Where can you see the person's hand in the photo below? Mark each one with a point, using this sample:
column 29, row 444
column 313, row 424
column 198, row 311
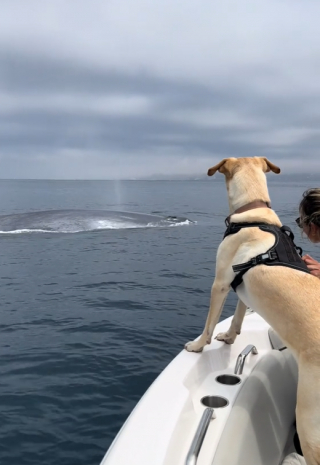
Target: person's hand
column 312, row 265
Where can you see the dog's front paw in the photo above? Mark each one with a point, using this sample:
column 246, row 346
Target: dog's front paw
column 194, row 346
column 226, row 337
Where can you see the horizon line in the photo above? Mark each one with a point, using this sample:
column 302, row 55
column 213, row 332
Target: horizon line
column 160, row 178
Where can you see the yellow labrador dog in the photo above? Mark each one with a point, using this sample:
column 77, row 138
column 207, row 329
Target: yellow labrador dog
column 288, row 299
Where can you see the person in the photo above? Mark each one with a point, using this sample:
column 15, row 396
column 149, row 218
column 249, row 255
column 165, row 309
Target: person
column 309, row 222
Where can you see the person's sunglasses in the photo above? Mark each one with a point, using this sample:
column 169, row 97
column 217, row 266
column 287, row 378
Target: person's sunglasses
column 299, row 222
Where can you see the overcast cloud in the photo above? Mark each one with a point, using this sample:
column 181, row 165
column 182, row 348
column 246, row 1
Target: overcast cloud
column 127, row 89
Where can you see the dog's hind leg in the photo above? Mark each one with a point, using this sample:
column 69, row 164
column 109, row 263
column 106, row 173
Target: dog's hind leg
column 219, row 294
column 307, row 411
column 235, row 327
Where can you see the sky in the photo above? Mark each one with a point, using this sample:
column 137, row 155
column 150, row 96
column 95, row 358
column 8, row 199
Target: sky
column 122, row 89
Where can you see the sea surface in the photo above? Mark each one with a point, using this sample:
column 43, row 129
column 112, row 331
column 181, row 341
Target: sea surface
column 102, row 283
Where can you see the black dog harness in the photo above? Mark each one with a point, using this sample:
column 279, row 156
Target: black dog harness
column 284, row 252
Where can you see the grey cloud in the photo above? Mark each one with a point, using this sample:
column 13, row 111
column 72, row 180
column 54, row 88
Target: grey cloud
column 169, row 125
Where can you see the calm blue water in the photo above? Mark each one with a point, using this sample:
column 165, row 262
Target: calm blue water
column 90, row 318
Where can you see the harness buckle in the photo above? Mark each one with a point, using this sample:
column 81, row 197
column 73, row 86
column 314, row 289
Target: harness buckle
column 262, row 258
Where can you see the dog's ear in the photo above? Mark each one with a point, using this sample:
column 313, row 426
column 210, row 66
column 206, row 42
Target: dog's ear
column 271, row 166
column 219, row 167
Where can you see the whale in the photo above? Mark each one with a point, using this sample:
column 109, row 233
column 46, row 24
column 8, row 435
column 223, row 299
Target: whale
column 71, row 221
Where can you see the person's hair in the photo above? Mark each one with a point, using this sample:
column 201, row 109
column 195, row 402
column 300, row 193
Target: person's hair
column 309, row 207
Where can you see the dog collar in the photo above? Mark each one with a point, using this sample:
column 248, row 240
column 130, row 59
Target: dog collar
column 247, row 207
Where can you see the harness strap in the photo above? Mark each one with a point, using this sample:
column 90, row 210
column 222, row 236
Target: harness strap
column 238, row 280
column 258, row 260
column 242, row 268
column 233, row 228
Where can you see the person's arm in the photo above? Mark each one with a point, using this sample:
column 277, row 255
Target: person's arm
column 312, row 264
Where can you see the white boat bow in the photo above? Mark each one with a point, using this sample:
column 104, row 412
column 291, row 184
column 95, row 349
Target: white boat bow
column 253, row 412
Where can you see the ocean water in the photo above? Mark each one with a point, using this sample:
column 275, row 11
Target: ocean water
column 102, row 283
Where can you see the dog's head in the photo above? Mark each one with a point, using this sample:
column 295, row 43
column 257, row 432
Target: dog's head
column 245, row 179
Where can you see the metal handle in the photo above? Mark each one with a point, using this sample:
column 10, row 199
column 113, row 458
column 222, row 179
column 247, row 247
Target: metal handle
column 242, row 357
column 196, row 444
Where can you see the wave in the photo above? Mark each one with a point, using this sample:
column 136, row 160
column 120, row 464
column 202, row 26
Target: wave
column 74, row 221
